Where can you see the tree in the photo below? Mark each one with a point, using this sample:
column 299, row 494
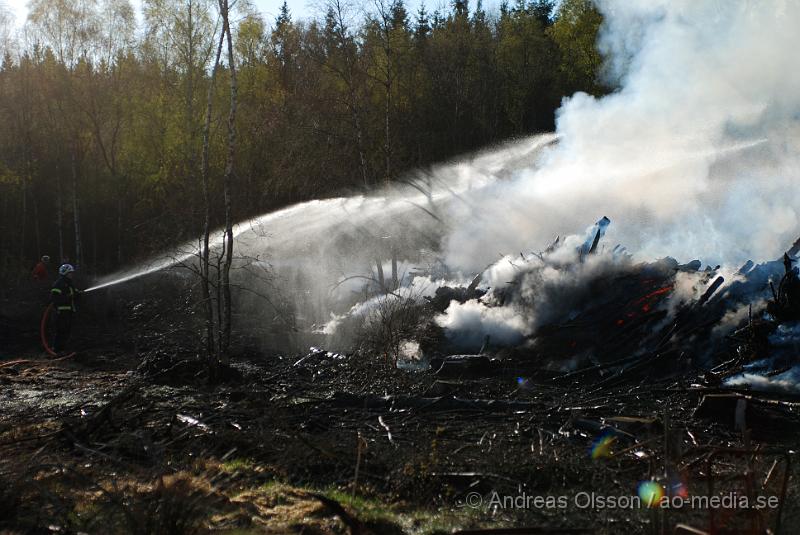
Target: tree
column 6, row 30
column 225, row 334
column 525, row 63
column 108, row 131
column 117, row 23
column 543, row 11
column 575, row 30
column 387, row 42
column 250, row 42
column 212, row 353
column 342, row 60
column 68, row 27
column 108, row 102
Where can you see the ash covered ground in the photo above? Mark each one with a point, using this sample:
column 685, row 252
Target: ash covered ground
column 554, row 403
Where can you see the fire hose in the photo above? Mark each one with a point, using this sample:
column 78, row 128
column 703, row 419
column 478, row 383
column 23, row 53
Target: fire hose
column 43, row 335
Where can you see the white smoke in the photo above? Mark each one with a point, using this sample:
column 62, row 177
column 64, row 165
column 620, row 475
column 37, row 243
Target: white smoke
column 788, row 381
column 528, row 292
column 784, row 344
column 737, row 317
column 469, row 323
column 695, row 156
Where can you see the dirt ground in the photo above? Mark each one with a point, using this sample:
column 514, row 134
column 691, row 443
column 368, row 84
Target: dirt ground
column 129, row 437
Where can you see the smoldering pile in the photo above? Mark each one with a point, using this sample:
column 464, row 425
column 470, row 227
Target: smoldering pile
column 581, row 310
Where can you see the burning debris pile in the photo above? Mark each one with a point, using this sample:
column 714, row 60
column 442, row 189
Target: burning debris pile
column 524, row 378
column 582, row 311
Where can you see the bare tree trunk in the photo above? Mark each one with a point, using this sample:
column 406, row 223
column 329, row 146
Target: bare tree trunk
column 36, row 228
column 94, row 246
column 386, row 17
column 381, row 279
column 75, row 210
column 395, row 280
column 387, row 147
column 227, row 179
column 359, row 134
column 24, row 205
column 349, row 79
column 189, row 97
column 205, row 270
column 218, row 289
column 29, row 173
column 60, row 214
column 6, row 244
column 109, row 154
column 120, row 233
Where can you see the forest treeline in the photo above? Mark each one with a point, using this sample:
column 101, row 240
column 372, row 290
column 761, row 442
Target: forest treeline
column 103, row 119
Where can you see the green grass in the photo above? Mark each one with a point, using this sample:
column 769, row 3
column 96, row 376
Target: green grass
column 372, row 510
column 238, row 464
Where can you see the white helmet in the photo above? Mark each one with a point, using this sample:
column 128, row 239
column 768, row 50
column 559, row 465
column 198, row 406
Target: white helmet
column 65, row 268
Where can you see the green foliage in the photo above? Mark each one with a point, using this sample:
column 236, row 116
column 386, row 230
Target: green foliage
column 575, row 33
column 8, row 177
column 325, row 106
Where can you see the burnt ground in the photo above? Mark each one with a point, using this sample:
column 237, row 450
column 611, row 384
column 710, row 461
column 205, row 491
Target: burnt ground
column 129, row 437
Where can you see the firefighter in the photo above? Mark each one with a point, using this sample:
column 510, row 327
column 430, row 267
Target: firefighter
column 64, row 295
column 40, row 273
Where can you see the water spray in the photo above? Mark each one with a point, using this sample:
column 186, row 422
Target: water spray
column 107, row 284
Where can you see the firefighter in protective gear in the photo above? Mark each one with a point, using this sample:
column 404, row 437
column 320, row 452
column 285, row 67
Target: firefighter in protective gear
column 63, row 296
column 39, row 273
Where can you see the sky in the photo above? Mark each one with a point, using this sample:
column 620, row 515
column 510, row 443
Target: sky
column 269, row 8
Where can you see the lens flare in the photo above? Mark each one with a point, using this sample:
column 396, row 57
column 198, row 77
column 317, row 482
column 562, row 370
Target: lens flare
column 650, row 493
column 601, row 447
column 678, row 488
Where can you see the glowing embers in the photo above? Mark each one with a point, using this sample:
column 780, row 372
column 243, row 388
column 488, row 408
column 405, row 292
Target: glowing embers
column 647, row 301
column 644, row 304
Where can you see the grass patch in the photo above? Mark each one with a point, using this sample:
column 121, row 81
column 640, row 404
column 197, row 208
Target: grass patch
column 238, row 465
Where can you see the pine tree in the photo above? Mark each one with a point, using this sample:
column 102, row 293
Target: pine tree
column 399, row 15
column 504, row 11
column 422, row 26
column 284, row 17
column 543, row 11
column 461, row 9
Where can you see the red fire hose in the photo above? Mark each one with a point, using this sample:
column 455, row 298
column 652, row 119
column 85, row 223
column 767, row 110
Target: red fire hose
column 43, row 334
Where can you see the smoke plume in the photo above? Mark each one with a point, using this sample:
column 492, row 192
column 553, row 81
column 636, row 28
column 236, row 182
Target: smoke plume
column 695, row 155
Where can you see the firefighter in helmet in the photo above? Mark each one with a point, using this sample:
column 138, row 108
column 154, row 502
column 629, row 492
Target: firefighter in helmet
column 64, row 295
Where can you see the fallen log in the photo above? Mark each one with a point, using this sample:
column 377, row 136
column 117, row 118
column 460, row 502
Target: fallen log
column 464, row 366
column 739, row 412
